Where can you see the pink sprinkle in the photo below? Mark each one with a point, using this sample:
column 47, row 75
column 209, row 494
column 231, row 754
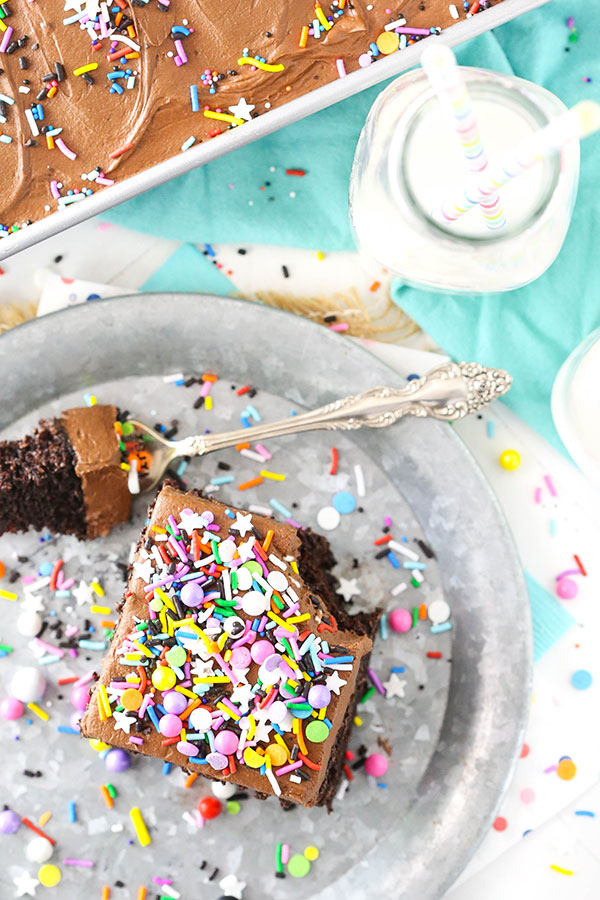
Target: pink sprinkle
column 54, row 189
column 262, row 451
column 285, row 854
column 341, row 68
column 6, row 39
column 28, row 579
column 205, row 389
column 157, row 880
column 73, row 653
column 570, row 22
column 568, row 572
column 387, row 522
column 106, row 181
column 104, row 226
column 181, row 51
column 65, row 585
column 135, row 740
column 293, row 523
column 538, row 495
column 177, row 60
column 49, row 648
column 550, row 485
column 339, row 326
column 64, row 149
column 85, row 679
column 70, row 630
column 86, row 863
column 289, row 768
column 550, row 769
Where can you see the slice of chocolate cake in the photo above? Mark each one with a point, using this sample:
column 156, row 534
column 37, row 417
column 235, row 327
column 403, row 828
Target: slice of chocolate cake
column 66, row 476
column 232, row 657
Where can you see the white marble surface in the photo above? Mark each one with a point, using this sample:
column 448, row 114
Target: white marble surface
column 563, row 721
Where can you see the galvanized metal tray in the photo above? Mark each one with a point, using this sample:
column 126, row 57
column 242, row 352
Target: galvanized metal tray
column 454, row 743
column 265, row 124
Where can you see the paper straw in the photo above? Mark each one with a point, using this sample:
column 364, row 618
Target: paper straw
column 439, row 64
column 578, row 122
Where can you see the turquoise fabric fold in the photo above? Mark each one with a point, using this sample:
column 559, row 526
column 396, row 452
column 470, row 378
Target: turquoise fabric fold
column 549, row 618
column 189, row 270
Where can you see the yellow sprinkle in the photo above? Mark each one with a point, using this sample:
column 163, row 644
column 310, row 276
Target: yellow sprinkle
column 252, row 728
column 135, row 678
column 211, row 679
column 294, row 619
column 38, row 711
column 291, row 662
column 44, row 819
column 227, row 656
column 208, row 402
column 183, row 734
column 125, row 466
column 222, row 641
column 322, row 19
column 562, row 871
column 311, row 853
column 185, row 691
column 143, row 649
column 158, row 530
column 283, row 744
column 274, row 476
column 223, row 117
column 8, row 595
column 357, row 721
column 83, row 69
column 101, row 710
column 281, row 622
column 97, row 589
column 320, row 255
column 266, row 67
column 165, row 599
column 92, row 399
column 2, row 25
column 101, row 610
column 294, row 566
column 140, row 827
column 226, row 709
column 133, row 657
column 322, row 713
column 105, row 701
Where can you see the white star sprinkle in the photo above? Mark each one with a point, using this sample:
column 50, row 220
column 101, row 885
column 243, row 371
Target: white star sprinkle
column 263, row 729
column 202, row 669
column 143, row 570
column 242, row 109
column 190, row 520
column 241, row 696
column 394, row 686
column 242, row 523
column 83, row 593
column 245, row 549
column 33, row 603
column 348, row 588
column 232, row 886
column 334, row 682
column 25, row 885
column 123, row 722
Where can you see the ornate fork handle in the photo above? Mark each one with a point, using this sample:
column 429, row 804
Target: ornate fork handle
column 449, row 392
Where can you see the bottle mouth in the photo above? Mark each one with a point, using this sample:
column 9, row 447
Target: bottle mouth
column 404, row 141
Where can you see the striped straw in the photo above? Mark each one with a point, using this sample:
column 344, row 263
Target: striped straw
column 578, row 122
column 439, row 64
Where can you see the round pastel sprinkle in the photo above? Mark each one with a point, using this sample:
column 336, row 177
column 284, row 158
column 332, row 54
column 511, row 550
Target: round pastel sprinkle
column 277, row 580
column 260, row 650
column 376, row 764
column 277, row 712
column 75, row 719
column 276, row 754
column 244, row 578
column 527, row 795
column 187, row 748
column 316, row 732
column 46, row 568
column 234, row 626
column 28, row 684
column 117, row 760
column 226, row 742
column 164, row 678
column 200, row 719
column 9, row 822
column 240, row 658
column 510, row 460
column 132, row 699
column 566, row 769
column 298, row 866
column 567, row 589
column 328, row 518
column 364, row 60
column 233, row 807
column 253, row 759
column 344, row 502
column 80, row 696
column 29, row 623
column 49, row 875
column 252, row 567
column 400, row 620
column 223, row 789
column 209, row 807
column 268, row 676
column 388, row 42
column 170, row 725
column 176, row 656
column 227, row 550
column 254, row 603
column 311, row 853
column 39, row 850
column 174, row 702
column 319, row 696
column 11, row 709
column 581, row 679
column 98, row 746
column 217, row 760
column 438, row 611
column 500, row 824
column 156, row 604
column 192, row 594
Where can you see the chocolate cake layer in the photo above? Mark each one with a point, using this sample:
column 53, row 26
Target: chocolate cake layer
column 225, row 660
column 96, row 93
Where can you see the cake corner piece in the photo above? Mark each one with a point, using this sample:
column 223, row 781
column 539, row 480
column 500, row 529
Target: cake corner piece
column 225, row 661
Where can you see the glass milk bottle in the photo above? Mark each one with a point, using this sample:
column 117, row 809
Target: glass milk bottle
column 408, row 159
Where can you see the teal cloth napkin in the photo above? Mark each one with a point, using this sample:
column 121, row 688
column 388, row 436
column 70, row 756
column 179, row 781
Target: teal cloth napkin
column 549, row 617
column 188, row 270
